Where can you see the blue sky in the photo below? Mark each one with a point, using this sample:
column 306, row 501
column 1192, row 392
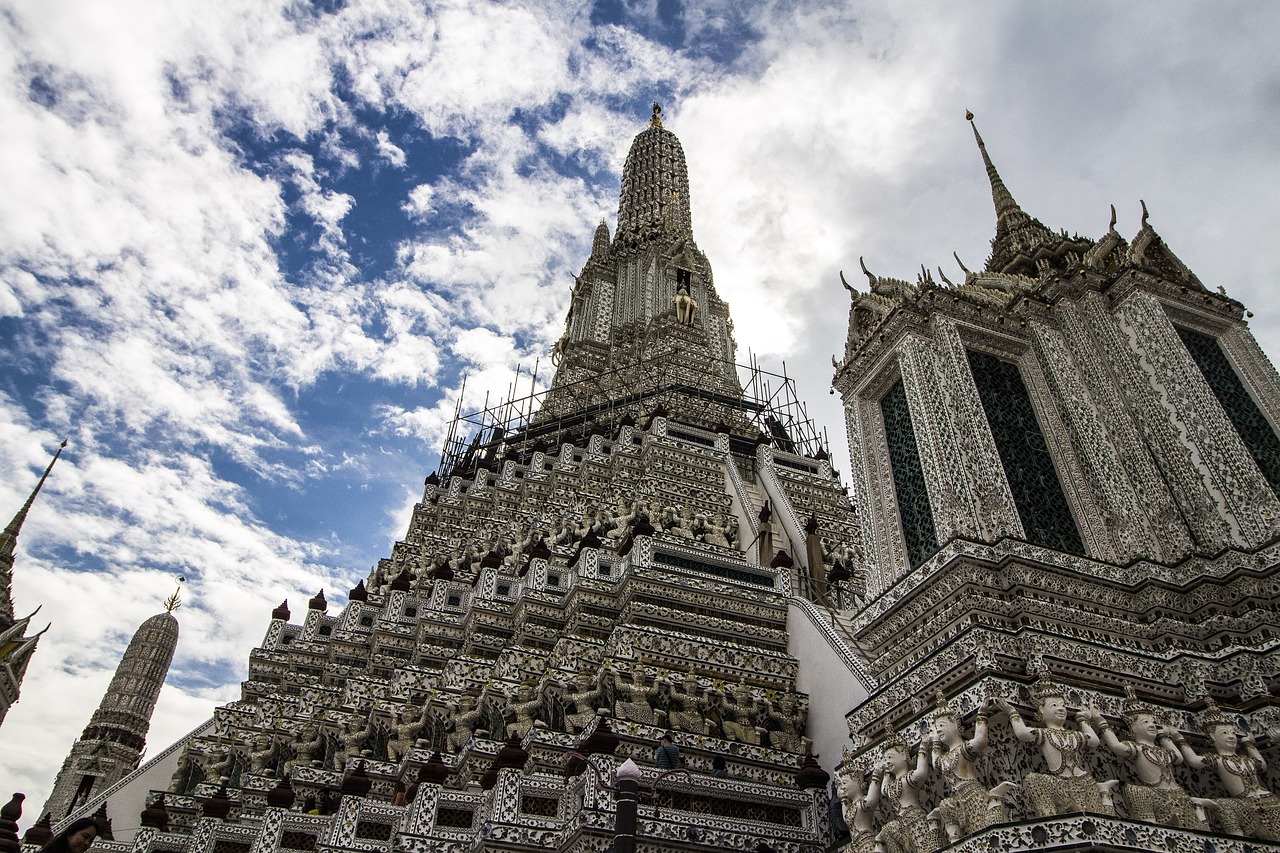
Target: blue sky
column 248, row 250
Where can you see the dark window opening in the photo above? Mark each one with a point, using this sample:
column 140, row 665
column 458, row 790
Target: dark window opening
column 914, row 510
column 1251, row 424
column 1028, row 465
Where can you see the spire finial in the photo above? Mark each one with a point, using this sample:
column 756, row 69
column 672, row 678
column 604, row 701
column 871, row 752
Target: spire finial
column 174, row 601
column 1145, row 214
column 656, row 120
column 1112, row 226
column 1005, row 205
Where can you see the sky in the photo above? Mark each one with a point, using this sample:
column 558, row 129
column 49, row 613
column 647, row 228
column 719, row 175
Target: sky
column 249, row 249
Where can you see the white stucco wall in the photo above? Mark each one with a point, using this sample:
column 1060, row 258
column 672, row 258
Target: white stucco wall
column 127, row 798
column 833, row 690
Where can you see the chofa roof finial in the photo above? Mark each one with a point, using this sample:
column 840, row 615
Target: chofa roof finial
column 870, row 277
column 1145, row 214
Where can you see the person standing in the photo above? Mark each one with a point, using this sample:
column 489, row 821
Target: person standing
column 667, row 754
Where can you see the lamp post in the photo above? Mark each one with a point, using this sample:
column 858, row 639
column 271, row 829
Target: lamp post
column 627, row 794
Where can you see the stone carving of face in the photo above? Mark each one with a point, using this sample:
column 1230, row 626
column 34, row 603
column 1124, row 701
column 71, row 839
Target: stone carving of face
column 1053, row 710
column 1144, row 726
column 895, row 760
column 1224, row 738
column 947, row 727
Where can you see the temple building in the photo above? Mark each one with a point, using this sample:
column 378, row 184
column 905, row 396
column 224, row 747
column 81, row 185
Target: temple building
column 112, row 743
column 16, row 646
column 1039, row 615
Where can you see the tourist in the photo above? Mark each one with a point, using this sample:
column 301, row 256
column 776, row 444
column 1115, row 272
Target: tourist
column 667, row 753
column 76, row 838
column 719, row 769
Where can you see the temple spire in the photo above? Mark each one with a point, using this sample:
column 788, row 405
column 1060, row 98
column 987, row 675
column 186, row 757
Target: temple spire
column 111, row 746
column 1023, row 244
column 653, row 205
column 9, row 538
column 1006, row 207
column 9, row 542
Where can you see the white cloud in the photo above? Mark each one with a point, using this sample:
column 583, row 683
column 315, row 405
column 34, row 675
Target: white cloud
column 389, row 150
column 419, row 207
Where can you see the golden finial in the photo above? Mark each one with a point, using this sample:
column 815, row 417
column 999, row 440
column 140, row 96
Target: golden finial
column 174, row 601
column 656, row 121
column 968, row 115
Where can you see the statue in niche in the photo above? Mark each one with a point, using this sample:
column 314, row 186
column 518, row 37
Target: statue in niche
column 1068, row 786
column 223, row 768
column 857, row 811
column 786, row 719
column 606, row 520
column 351, row 739
column 524, row 706
column 586, row 699
column 737, row 717
column 674, row 524
column 625, row 517
column 405, row 730
column 565, row 533
column 686, row 710
column 715, row 531
column 686, row 305
column 633, row 701
column 1152, row 754
column 190, row 771
column 1252, row 810
column 968, row 807
column 262, row 754
column 896, row 780
column 463, row 716
column 305, row 747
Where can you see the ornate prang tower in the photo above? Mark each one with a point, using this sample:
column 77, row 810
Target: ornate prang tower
column 15, row 647
column 645, row 319
column 1069, row 465
column 632, row 551
column 112, row 743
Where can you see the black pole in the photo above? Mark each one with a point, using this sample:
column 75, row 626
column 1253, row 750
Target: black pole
column 624, row 821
